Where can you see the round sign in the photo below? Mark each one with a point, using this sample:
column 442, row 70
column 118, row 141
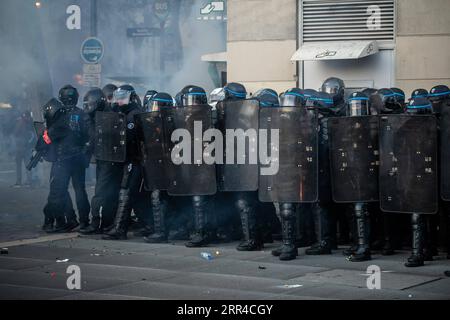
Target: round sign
column 161, row 8
column 92, row 50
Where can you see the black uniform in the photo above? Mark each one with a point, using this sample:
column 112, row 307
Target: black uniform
column 323, row 210
column 151, row 133
column 130, row 197
column 108, row 174
column 245, row 202
column 68, row 136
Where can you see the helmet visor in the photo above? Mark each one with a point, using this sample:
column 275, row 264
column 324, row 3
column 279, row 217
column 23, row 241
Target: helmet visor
column 358, row 107
column 291, row 100
column 330, row 90
column 121, row 97
column 194, row 99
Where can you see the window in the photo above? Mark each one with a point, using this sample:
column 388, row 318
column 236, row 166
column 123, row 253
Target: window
column 336, row 20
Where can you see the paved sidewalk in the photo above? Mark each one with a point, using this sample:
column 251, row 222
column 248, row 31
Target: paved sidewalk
column 136, row 270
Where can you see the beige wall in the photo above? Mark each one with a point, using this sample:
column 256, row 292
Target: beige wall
column 423, row 44
column 261, row 43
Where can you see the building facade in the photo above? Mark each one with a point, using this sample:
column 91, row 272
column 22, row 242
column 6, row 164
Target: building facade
column 374, row 43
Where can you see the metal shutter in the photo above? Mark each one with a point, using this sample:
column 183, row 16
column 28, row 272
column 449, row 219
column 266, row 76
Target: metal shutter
column 334, row 20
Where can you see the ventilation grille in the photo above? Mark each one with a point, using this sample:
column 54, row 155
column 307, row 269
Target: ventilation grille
column 328, row 20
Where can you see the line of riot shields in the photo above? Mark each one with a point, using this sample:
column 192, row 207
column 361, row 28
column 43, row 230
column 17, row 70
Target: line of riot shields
column 392, row 159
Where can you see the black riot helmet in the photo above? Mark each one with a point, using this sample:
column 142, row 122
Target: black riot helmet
column 94, row 101
column 194, row 96
column 369, row 91
column 308, row 93
column 336, row 88
column 322, row 101
column 399, row 95
column 108, row 91
column 388, row 102
column 440, row 98
column 179, row 95
column 51, row 110
column 235, row 91
column 126, row 95
column 147, row 98
column 159, row 101
column 292, row 98
column 358, row 104
column 267, row 98
column 439, row 93
column 68, row 95
column 265, row 91
column 419, row 106
column 419, row 93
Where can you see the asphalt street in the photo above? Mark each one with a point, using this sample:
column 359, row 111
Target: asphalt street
column 35, row 266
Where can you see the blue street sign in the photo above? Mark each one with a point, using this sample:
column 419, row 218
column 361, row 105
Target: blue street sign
column 92, row 50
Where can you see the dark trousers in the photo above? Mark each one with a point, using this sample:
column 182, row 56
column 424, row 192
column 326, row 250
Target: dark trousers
column 130, row 198
column 105, row 201
column 62, row 173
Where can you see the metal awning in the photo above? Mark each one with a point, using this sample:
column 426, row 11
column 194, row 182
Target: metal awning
column 215, row 57
column 335, row 50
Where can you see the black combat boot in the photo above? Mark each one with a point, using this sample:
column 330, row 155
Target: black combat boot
column 252, row 240
column 322, row 224
column 61, row 225
column 72, row 221
column 48, row 225
column 120, row 229
column 200, row 237
column 159, row 223
column 93, row 228
column 416, row 259
column 288, row 250
column 362, row 222
column 181, row 233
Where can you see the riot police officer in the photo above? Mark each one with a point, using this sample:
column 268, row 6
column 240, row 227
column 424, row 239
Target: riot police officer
column 243, row 193
column 204, row 220
column 287, row 211
column 159, row 199
column 68, row 135
column 418, row 106
column 128, row 103
column 358, row 105
column 102, row 203
column 52, row 110
column 322, row 211
column 383, row 102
